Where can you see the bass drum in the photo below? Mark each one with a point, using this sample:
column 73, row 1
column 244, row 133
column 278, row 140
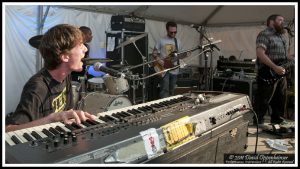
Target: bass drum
column 96, row 102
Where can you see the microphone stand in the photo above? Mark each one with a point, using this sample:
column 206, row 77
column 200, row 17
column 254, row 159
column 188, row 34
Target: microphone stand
column 207, row 81
column 136, row 77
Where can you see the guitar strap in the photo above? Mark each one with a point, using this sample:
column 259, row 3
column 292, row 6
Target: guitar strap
column 284, row 45
column 176, row 45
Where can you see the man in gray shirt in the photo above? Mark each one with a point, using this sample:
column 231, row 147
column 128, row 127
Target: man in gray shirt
column 166, row 46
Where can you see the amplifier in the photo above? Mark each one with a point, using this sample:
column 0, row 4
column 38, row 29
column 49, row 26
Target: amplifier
column 236, row 66
column 245, row 86
column 129, row 23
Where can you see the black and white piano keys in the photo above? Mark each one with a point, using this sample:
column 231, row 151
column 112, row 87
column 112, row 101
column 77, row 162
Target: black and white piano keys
column 44, row 131
column 32, row 133
column 51, row 130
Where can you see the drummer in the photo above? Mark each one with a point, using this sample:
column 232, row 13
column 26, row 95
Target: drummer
column 47, row 96
column 87, row 38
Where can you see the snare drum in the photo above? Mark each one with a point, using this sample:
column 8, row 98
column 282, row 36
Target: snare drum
column 75, row 92
column 96, row 102
column 115, row 85
column 95, row 84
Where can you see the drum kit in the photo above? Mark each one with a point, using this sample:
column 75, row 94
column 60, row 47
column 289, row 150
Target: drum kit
column 100, row 94
column 107, row 92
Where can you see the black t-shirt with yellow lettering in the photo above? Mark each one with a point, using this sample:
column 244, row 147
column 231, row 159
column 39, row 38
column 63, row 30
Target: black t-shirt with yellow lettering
column 41, row 96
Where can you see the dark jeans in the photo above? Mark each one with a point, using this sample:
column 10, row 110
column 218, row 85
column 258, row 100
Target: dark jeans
column 167, row 85
column 274, row 96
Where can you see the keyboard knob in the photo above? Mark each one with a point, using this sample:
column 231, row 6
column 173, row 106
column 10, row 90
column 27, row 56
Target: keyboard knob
column 66, row 140
column 74, row 138
column 56, row 143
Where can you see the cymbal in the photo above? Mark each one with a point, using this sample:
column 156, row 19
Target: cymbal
column 91, row 61
column 35, row 41
column 131, row 40
column 118, row 66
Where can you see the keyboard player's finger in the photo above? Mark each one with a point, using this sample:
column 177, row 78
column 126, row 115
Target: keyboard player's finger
column 81, row 115
column 90, row 116
column 68, row 115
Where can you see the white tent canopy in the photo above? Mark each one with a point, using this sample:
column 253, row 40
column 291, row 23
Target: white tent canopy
column 206, row 15
column 235, row 25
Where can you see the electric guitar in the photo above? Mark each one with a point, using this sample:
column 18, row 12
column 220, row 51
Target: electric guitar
column 173, row 57
column 269, row 77
column 169, row 62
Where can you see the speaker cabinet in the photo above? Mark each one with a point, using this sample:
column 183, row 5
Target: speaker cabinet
column 130, row 56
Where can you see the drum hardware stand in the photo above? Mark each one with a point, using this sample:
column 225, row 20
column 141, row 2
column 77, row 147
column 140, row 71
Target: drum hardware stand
column 134, row 87
column 82, row 88
column 136, row 77
column 122, row 49
column 124, row 43
column 143, row 75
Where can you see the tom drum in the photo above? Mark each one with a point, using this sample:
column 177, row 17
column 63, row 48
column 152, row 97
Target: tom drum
column 115, row 85
column 95, row 84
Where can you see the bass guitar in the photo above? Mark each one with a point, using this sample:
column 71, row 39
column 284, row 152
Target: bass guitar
column 269, row 77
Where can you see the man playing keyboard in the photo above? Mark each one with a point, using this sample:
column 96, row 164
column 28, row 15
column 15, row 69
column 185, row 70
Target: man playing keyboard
column 47, row 96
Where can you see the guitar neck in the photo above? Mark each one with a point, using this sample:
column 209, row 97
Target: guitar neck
column 175, row 58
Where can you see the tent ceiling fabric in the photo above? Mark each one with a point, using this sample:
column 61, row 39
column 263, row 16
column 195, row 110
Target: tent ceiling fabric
column 227, row 15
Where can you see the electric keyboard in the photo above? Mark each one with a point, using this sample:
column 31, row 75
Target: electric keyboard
column 114, row 137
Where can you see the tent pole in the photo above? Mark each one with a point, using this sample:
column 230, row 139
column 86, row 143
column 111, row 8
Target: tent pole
column 41, row 21
column 39, row 60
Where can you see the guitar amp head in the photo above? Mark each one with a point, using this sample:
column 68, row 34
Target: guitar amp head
column 129, row 23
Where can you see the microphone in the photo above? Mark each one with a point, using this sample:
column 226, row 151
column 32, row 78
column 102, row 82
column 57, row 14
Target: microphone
column 289, row 31
column 213, row 44
column 100, row 67
column 195, row 26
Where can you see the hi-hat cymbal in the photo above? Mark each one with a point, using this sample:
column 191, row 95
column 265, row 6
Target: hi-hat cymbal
column 131, row 40
column 35, row 41
column 91, row 61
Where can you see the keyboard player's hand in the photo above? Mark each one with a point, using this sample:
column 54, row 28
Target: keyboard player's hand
column 71, row 116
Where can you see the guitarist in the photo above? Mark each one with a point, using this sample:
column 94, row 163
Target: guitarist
column 165, row 46
column 271, row 50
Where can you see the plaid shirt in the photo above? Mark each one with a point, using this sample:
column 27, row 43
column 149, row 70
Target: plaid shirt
column 274, row 44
